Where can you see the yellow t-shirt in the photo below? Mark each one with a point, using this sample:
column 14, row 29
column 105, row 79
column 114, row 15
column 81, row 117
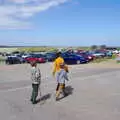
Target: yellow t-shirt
column 57, row 64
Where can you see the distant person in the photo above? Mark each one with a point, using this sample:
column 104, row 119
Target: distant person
column 36, row 80
column 58, row 61
column 61, row 78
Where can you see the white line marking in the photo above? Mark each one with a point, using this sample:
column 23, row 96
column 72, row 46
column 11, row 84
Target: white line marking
column 22, row 88
column 15, row 89
column 53, row 82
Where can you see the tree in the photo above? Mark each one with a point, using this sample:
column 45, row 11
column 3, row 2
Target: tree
column 93, row 47
column 103, row 47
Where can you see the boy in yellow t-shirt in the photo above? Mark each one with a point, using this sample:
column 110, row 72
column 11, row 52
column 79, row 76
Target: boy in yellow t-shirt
column 61, row 78
column 58, row 61
column 57, row 67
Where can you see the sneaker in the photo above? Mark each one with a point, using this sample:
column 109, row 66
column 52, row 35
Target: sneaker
column 57, row 99
column 35, row 102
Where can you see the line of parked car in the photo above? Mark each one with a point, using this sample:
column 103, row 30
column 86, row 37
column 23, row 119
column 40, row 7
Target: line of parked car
column 69, row 57
column 29, row 57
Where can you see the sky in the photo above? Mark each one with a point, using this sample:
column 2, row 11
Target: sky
column 60, row 22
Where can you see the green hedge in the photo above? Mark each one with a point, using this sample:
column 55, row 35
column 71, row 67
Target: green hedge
column 2, row 60
column 114, row 56
column 37, row 49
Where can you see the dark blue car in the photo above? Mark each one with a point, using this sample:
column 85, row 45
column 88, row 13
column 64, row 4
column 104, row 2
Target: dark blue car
column 14, row 60
column 73, row 58
column 50, row 56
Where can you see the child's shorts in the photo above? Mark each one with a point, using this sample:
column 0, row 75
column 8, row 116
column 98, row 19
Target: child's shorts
column 60, row 85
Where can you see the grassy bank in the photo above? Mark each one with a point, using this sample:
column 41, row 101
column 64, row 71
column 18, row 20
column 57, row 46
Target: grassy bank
column 2, row 60
column 8, row 50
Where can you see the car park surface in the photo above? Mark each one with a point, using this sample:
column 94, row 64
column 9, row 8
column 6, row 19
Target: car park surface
column 94, row 93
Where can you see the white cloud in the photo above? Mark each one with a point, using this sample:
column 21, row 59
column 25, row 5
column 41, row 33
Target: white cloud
column 7, row 20
column 9, row 23
column 16, row 13
column 19, row 1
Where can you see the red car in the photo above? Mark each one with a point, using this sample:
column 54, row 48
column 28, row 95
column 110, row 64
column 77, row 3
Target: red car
column 37, row 57
column 86, row 55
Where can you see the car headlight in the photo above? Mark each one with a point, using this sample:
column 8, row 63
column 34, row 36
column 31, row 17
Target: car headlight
column 89, row 57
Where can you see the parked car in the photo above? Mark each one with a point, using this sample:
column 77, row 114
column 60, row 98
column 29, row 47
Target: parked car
column 14, row 60
column 115, row 51
column 50, row 56
column 73, row 58
column 39, row 58
column 97, row 54
column 109, row 53
column 26, row 55
column 86, row 55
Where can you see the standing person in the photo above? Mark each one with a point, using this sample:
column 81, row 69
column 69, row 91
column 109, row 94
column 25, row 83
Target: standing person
column 61, row 78
column 36, row 80
column 58, row 61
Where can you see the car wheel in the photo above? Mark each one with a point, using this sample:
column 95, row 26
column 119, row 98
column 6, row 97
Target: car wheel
column 38, row 62
column 47, row 60
column 78, row 62
column 7, row 63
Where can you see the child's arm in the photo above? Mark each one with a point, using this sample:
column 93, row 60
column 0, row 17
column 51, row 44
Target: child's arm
column 66, row 76
column 38, row 75
column 54, row 68
column 66, row 68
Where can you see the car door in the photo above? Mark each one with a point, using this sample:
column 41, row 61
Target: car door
column 66, row 58
column 71, row 59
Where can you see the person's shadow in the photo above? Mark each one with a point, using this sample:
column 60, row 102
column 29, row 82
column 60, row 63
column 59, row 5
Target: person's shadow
column 68, row 91
column 44, row 98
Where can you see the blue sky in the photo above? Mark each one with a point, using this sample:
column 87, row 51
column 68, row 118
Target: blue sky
column 60, row 22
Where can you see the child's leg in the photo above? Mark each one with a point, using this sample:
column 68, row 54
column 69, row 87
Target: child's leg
column 60, row 89
column 64, row 92
column 34, row 92
column 57, row 88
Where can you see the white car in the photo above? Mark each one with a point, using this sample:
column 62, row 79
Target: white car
column 116, row 51
column 25, row 55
